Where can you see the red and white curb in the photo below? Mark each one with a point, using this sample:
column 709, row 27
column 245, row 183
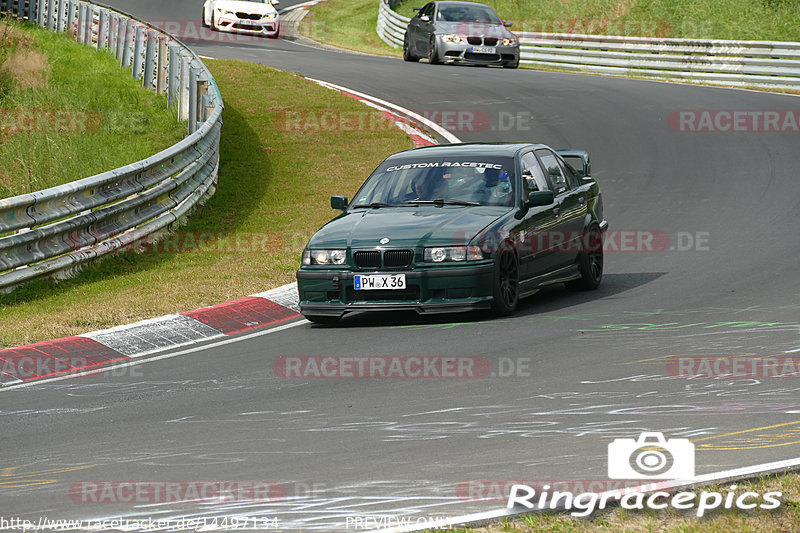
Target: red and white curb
column 414, row 124
column 104, row 348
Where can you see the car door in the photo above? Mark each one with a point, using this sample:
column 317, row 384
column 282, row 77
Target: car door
column 570, row 208
column 538, row 223
column 424, row 29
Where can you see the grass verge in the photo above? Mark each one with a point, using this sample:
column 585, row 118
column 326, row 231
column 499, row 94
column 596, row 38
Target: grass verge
column 347, row 24
column 277, row 172
column 67, row 111
column 670, row 520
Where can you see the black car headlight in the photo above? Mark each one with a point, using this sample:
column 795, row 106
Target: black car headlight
column 441, row 254
column 324, row 257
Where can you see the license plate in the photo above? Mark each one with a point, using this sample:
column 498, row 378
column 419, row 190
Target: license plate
column 380, row 281
column 484, row 50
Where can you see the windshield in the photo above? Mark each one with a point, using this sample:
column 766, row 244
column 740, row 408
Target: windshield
column 452, row 180
column 478, row 14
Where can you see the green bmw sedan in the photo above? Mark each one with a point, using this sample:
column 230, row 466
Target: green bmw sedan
column 457, row 227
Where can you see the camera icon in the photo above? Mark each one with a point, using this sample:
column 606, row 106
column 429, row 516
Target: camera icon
column 651, row 457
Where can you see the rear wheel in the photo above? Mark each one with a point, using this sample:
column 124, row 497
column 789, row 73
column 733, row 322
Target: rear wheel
column 433, row 52
column 323, row 319
column 506, row 282
column 407, row 55
column 590, row 262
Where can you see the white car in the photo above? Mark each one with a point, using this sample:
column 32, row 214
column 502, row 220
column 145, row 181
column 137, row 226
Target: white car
column 257, row 17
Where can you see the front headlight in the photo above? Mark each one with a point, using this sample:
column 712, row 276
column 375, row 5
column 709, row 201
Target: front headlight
column 509, row 42
column 452, row 38
column 324, row 257
column 441, row 254
column 268, row 16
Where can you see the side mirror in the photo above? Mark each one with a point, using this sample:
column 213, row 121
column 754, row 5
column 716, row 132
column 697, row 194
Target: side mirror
column 425, row 18
column 275, row 2
column 339, row 202
column 507, row 23
column 416, row 8
column 537, row 198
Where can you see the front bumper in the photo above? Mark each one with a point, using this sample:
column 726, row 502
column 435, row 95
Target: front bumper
column 431, row 290
column 463, row 53
column 266, row 27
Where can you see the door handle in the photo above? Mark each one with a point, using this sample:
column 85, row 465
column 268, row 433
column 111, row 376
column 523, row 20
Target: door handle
column 556, row 211
column 581, row 200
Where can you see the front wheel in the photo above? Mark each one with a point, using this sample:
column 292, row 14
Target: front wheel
column 433, row 52
column 590, row 262
column 506, row 282
column 407, row 55
column 214, row 22
column 203, row 20
column 514, row 64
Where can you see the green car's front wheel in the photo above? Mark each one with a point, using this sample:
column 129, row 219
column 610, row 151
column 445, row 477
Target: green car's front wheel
column 506, row 282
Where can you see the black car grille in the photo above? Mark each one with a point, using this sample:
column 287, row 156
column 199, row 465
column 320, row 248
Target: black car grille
column 248, row 16
column 397, row 258
column 371, row 259
column 367, row 259
column 411, row 292
column 487, row 41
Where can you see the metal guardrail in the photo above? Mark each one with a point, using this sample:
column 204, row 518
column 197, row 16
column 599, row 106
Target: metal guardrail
column 56, row 231
column 774, row 64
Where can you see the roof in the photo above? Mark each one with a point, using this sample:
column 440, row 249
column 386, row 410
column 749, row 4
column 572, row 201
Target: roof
column 465, row 149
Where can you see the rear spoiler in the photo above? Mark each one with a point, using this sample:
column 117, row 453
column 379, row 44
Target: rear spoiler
column 584, row 167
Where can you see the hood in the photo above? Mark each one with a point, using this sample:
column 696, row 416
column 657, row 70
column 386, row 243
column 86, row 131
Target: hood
column 406, row 227
column 474, row 29
column 246, row 7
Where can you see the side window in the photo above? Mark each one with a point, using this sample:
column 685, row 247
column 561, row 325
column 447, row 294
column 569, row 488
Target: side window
column 428, row 10
column 532, row 174
column 553, row 169
column 573, row 180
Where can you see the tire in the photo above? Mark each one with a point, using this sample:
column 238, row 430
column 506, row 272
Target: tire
column 407, row 55
column 512, row 65
column 590, row 262
column 203, row 20
column 505, row 290
column 433, row 52
column 323, row 319
column 214, row 22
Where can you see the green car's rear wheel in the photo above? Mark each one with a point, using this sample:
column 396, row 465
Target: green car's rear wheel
column 590, row 262
column 506, row 282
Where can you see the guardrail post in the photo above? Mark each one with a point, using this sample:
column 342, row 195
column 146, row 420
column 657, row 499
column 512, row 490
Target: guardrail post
column 122, row 42
column 161, row 69
column 193, row 99
column 183, row 92
column 51, row 14
column 102, row 32
column 30, row 11
column 149, row 59
column 41, row 12
column 173, row 71
column 138, row 51
column 79, row 33
column 60, row 15
column 89, row 40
